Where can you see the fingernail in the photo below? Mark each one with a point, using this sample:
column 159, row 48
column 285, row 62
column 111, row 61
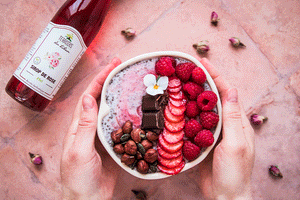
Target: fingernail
column 87, row 102
column 232, row 95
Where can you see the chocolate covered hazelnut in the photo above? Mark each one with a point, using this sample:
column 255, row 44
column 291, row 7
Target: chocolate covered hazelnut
column 119, row 148
column 142, row 167
column 151, row 136
column 147, row 144
column 127, row 159
column 130, row 147
column 116, row 135
column 127, row 127
column 136, row 134
column 151, row 156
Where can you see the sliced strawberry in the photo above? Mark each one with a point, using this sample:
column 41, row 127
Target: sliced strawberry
column 174, row 90
column 174, row 82
column 177, row 95
column 170, row 148
column 172, row 137
column 172, row 171
column 176, row 110
column 167, row 155
column 170, row 163
column 170, row 117
column 174, row 126
column 178, row 103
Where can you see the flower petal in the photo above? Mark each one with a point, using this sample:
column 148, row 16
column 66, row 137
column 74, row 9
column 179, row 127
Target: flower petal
column 150, row 90
column 163, row 82
column 159, row 91
column 149, row 80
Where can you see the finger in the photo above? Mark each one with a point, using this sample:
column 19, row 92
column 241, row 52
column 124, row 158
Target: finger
column 232, row 128
column 221, row 84
column 87, row 125
column 248, row 130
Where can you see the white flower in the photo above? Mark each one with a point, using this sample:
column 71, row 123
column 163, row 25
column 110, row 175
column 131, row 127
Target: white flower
column 155, row 86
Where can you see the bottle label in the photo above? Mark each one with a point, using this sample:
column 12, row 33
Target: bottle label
column 51, row 59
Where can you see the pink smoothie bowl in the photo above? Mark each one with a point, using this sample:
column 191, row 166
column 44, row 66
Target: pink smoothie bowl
column 105, row 109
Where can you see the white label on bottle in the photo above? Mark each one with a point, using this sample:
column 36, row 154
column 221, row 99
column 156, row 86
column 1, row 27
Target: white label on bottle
column 51, row 59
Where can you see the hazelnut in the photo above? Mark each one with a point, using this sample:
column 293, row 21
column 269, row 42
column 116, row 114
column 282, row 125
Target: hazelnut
column 139, row 156
column 127, row 127
column 127, row 159
column 147, row 144
column 119, row 148
column 151, row 156
column 151, row 136
column 136, row 134
column 130, row 147
column 116, row 135
column 142, row 167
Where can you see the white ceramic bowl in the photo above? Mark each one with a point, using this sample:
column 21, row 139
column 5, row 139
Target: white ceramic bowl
column 104, row 110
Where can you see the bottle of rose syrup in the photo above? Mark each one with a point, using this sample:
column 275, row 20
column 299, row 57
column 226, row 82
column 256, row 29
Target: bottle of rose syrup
column 56, row 52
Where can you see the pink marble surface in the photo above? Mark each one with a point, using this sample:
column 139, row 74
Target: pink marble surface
column 266, row 73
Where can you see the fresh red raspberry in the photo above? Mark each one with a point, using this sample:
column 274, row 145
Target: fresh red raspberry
column 192, row 127
column 209, row 119
column 184, row 71
column 198, row 76
column 192, row 90
column 192, row 109
column 204, row 138
column 165, row 66
column 190, row 151
column 207, row 100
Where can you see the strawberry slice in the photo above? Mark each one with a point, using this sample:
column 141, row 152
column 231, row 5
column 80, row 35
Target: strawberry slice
column 167, row 155
column 176, row 110
column 168, row 147
column 172, row 137
column 174, row 126
column 174, row 90
column 170, row 117
column 170, row 163
column 177, row 103
column 172, row 171
column 174, row 82
column 177, row 95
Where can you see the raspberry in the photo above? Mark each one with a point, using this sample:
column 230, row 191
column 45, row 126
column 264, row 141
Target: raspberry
column 192, row 109
column 192, row 90
column 207, row 100
column 204, row 138
column 190, row 151
column 192, row 127
column 198, row 76
column 184, row 71
column 165, row 66
column 209, row 119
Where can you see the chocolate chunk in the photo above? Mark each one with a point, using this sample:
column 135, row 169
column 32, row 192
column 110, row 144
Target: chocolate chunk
column 153, row 120
column 150, row 103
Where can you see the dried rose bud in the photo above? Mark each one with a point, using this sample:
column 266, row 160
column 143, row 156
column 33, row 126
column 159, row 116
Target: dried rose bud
column 130, row 147
column 116, row 136
column 140, row 195
column 151, row 156
column 151, row 136
column 128, row 32
column 119, row 148
column 236, row 42
column 127, row 159
column 136, row 134
column 257, row 119
column 127, row 127
column 36, row 159
column 202, row 46
column 214, row 18
column 274, row 170
column 146, row 144
column 142, row 167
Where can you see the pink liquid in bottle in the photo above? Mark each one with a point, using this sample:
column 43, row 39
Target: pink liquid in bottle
column 86, row 16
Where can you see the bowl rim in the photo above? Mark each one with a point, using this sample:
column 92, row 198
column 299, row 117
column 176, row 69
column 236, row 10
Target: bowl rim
column 104, row 110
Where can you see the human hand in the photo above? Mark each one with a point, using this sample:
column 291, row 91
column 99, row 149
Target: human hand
column 84, row 174
column 226, row 172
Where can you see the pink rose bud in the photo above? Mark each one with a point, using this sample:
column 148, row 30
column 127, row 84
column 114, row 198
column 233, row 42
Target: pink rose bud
column 202, row 46
column 274, row 170
column 214, row 18
column 129, row 32
column 36, row 159
column 236, row 42
column 257, row 119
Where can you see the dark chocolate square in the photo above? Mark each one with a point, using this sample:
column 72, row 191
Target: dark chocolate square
column 153, row 120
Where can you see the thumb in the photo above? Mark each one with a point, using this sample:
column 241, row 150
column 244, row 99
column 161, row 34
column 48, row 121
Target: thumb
column 232, row 127
column 87, row 125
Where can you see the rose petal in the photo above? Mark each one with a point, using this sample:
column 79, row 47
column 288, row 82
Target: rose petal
column 149, row 80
